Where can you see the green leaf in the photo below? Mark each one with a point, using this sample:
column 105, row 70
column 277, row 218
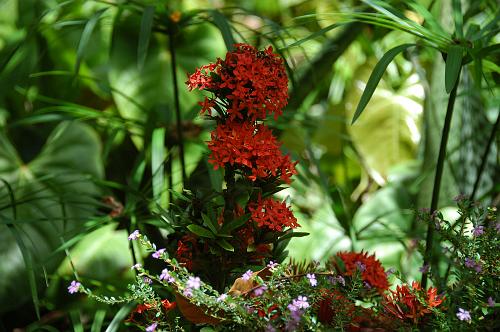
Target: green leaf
column 234, row 224
column 160, row 189
column 209, row 223
column 458, row 18
column 61, row 173
column 144, row 35
column 453, row 66
column 314, row 35
column 225, row 245
column 119, row 317
column 291, row 235
column 200, row 231
column 98, row 320
column 223, row 25
column 375, row 77
column 85, row 38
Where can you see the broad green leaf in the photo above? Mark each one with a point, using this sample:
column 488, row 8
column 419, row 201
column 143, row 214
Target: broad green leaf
column 458, row 18
column 453, row 66
column 200, row 231
column 375, row 77
column 85, row 38
column 145, row 35
column 234, row 224
column 223, row 25
column 61, row 174
column 225, row 245
column 290, row 235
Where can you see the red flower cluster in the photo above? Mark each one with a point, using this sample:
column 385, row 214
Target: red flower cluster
column 253, row 82
column 272, row 214
column 411, row 303
column 252, row 148
column 371, row 269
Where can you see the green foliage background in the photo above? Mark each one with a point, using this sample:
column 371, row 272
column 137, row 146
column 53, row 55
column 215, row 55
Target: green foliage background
column 88, row 110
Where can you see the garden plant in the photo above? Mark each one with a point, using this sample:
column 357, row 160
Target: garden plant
column 249, row 166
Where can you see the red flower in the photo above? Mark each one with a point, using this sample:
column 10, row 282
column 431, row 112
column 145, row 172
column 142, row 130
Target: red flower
column 250, row 147
column 371, row 269
column 167, row 305
column 184, row 251
column 253, row 82
column 272, row 214
column 411, row 303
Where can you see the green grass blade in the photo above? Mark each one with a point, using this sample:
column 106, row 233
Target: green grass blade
column 119, row 317
column 145, row 35
column 429, row 19
column 28, row 261
column 458, row 18
column 375, row 77
column 98, row 320
column 76, row 321
column 85, row 38
column 223, row 25
column 453, row 65
column 157, row 167
column 314, row 35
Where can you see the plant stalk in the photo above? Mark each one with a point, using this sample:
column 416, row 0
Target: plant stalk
column 180, row 140
column 429, row 241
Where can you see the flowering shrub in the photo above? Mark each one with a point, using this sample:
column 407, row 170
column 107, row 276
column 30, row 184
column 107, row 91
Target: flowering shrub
column 223, row 264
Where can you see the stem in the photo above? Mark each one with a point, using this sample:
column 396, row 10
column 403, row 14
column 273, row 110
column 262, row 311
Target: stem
column 180, row 141
column 485, row 156
column 229, row 203
column 429, row 241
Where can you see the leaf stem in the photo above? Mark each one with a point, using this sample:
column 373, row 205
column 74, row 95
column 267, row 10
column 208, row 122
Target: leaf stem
column 429, row 241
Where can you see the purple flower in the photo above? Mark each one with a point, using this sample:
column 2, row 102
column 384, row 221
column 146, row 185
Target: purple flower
column 497, row 227
column 147, row 280
column 152, row 327
column 390, row 271
column 136, row 266
column 193, row 282
column 300, row 303
column 272, row 265
column 459, row 198
column 165, row 275
column 478, row 267
column 260, row 290
column 312, row 279
column 367, row 285
column 188, row 292
column 74, row 287
column 463, row 315
column 491, row 302
column 222, row 297
column 361, row 267
column 134, row 235
column 247, row 275
column 425, row 268
column 477, row 231
column 270, row 328
column 340, row 280
column 158, row 253
column 470, row 263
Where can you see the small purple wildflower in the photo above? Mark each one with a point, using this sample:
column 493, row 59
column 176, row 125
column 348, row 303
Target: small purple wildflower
column 157, row 254
column 260, row 290
column 459, row 198
column 300, row 302
column 470, row 263
column 193, row 282
column 222, row 297
column 74, row 287
column 491, row 302
column 478, row 231
column 165, row 275
column 188, row 292
column 497, row 227
column 152, row 327
column 272, row 265
column 463, row 315
column 341, row 280
column 136, row 266
column 247, row 275
column 425, row 268
column 147, row 280
column 134, row 235
column 367, row 285
column 270, row 328
column 312, row 279
column 361, row 267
